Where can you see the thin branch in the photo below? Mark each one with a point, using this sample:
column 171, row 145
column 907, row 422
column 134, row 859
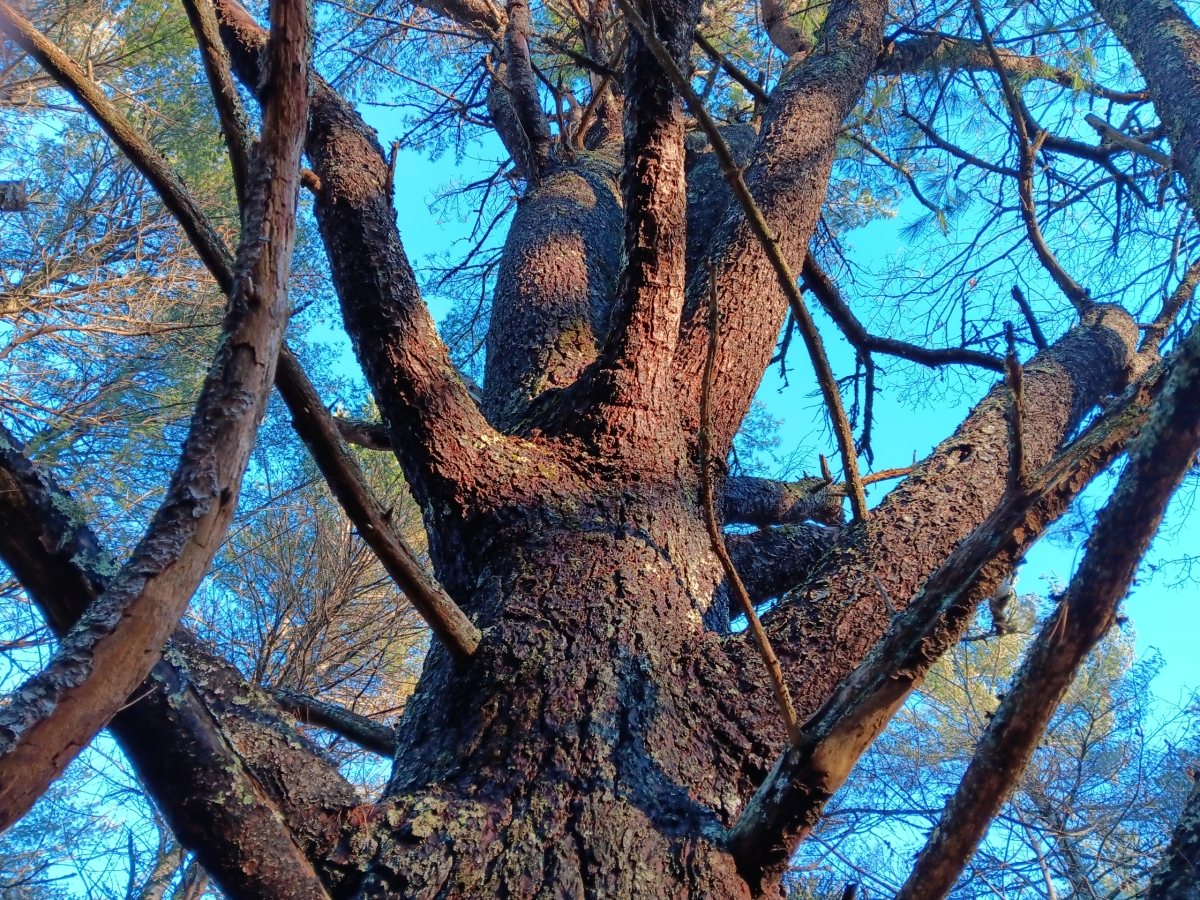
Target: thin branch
column 752, row 87
column 782, row 696
column 354, row 727
column 830, row 298
column 1035, row 330
column 1131, row 144
column 1028, row 149
column 120, row 638
column 230, row 113
column 770, row 245
column 1158, row 460
column 1171, row 307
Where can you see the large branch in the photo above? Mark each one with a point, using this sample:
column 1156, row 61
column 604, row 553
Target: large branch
column 554, row 289
column 438, row 434
column 189, row 761
column 787, row 178
column 791, row 799
column 826, row 628
column 118, row 641
column 775, row 560
column 1157, row 461
column 356, row 728
column 1165, row 46
column 932, row 52
column 633, row 384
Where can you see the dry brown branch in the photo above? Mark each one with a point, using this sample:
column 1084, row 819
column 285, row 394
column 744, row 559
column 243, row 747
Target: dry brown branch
column 770, row 245
column 120, row 638
column 752, row 87
column 782, row 696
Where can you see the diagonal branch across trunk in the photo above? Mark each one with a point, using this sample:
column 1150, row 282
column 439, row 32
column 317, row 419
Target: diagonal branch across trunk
column 116, row 644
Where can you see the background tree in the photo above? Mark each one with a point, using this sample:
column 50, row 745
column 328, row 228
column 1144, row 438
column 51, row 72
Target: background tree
column 586, row 721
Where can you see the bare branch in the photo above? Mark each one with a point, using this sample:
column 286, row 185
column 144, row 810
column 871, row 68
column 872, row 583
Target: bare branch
column 1121, row 139
column 120, row 638
column 830, row 298
column 764, row 502
column 1028, row 150
column 789, row 802
column 752, row 87
column 770, row 246
column 1035, row 330
column 1015, row 414
column 358, row 729
column 1180, row 297
column 782, row 696
column 1158, row 459
column 929, row 52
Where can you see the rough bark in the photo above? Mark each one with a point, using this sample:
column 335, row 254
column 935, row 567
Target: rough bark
column 763, row 502
column 554, row 291
column 1177, row 876
column 358, row 729
column 787, row 177
column 775, row 560
column 1165, row 46
column 168, row 729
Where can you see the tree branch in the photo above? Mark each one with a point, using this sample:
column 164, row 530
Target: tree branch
column 186, row 758
column 1028, row 150
column 830, row 298
column 1158, row 459
column 1180, row 297
column 119, row 639
column 522, row 87
column 356, row 728
column 774, row 560
column 946, row 51
column 789, row 802
column 763, row 502
column 752, row 88
column 783, row 272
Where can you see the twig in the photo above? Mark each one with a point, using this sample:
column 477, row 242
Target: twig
column 770, row 245
column 1035, row 330
column 887, row 600
column 1015, row 414
column 782, row 695
column 755, row 90
column 1028, row 150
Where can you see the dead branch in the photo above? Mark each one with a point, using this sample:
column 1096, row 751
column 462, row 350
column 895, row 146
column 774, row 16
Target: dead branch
column 356, row 728
column 1158, row 459
column 120, row 637
column 1186, row 290
column 831, row 300
column 753, row 88
column 782, row 696
column 1133, row 145
column 770, row 245
column 1028, row 148
column 1035, row 330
